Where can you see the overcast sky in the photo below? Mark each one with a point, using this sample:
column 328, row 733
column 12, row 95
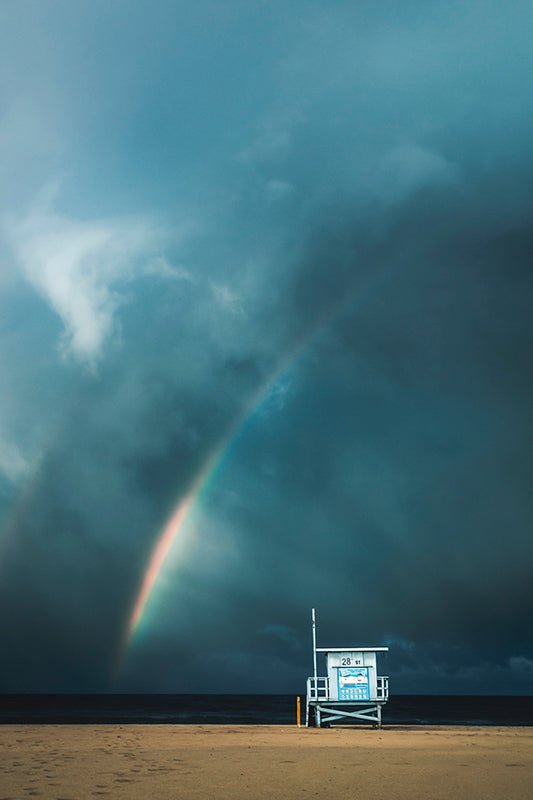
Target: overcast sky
column 299, row 236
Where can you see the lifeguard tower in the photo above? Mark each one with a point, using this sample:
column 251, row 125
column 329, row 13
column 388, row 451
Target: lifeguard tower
column 351, row 690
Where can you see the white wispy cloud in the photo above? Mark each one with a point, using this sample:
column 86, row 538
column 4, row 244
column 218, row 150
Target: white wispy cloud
column 78, row 267
column 13, row 464
column 227, row 299
column 162, row 268
column 408, row 168
column 277, row 189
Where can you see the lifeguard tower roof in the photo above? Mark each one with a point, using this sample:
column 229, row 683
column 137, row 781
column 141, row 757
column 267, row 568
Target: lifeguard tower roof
column 352, row 649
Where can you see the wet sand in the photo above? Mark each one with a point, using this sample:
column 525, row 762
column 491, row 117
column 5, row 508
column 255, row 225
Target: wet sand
column 156, row 762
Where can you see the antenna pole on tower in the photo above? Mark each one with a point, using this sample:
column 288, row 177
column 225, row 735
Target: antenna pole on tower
column 314, row 645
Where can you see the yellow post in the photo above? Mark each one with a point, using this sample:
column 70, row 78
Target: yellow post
column 298, row 711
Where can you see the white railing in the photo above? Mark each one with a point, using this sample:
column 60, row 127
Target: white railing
column 383, row 688
column 318, row 688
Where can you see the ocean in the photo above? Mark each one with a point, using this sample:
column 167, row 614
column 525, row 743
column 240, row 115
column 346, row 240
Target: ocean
column 217, row 709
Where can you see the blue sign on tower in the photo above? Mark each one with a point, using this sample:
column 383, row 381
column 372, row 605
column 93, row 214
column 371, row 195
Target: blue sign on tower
column 353, row 683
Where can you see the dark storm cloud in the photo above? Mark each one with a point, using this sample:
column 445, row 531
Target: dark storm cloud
column 394, row 480
column 391, row 482
column 358, row 208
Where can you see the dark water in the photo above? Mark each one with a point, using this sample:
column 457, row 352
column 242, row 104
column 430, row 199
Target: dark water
column 252, row 709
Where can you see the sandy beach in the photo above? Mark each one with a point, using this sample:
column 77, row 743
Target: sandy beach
column 74, row 762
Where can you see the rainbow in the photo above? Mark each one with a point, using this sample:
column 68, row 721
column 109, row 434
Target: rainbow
column 185, row 506
column 213, row 462
column 163, row 545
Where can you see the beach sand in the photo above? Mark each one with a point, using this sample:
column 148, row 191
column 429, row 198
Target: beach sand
column 74, row 762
